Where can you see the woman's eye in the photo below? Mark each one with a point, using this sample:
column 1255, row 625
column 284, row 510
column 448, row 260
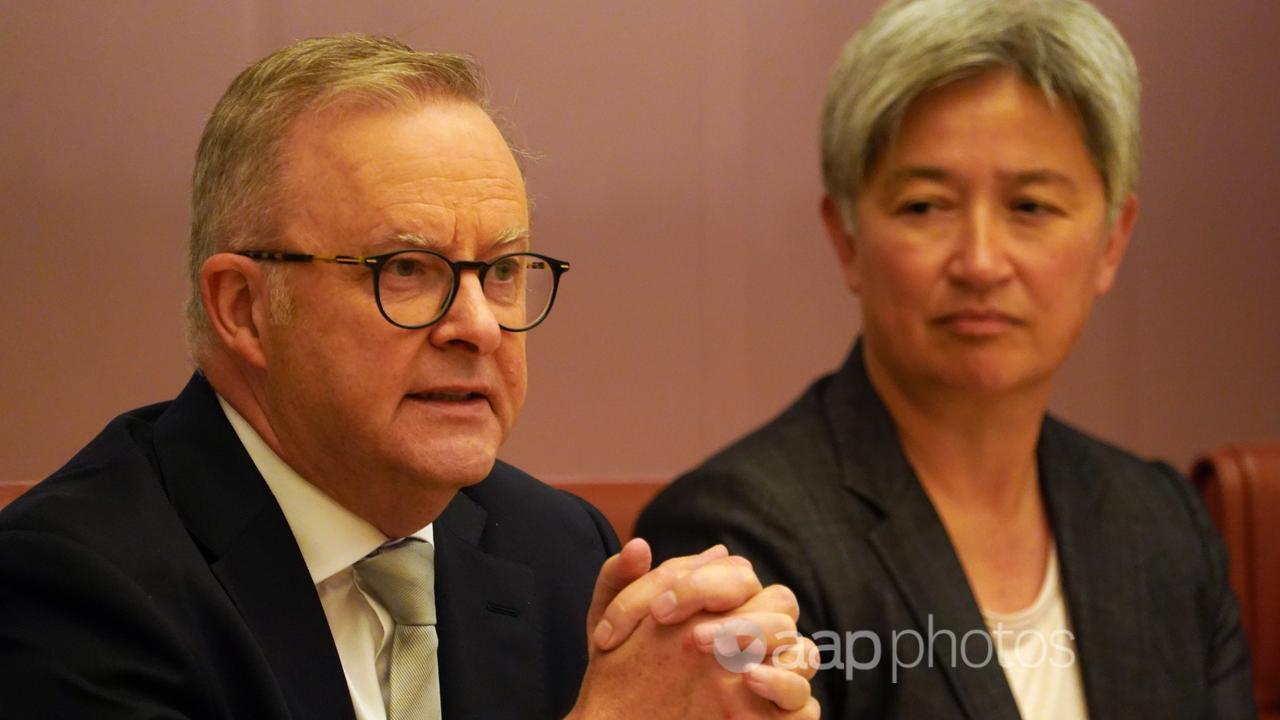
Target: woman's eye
column 1033, row 207
column 917, row 207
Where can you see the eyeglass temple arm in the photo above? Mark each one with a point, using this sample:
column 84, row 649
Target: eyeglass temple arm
column 279, row 256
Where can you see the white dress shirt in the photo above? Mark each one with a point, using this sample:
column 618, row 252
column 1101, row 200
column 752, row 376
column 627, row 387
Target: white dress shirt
column 1037, row 649
column 332, row 539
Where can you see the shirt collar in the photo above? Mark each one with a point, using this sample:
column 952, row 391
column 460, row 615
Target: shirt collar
column 330, row 536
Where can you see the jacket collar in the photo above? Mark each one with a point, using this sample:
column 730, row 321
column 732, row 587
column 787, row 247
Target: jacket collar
column 226, row 506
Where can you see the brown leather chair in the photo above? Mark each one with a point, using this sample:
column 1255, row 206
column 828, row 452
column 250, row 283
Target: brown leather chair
column 9, row 491
column 620, row 502
column 1240, row 485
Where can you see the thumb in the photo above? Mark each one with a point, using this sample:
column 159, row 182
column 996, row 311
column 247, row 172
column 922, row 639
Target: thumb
column 619, row 571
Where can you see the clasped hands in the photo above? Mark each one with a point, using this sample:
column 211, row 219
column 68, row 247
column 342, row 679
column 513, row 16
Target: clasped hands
column 654, row 634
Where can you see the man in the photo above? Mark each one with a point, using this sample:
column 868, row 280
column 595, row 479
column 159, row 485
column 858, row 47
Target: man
column 317, row 527
column 956, row 552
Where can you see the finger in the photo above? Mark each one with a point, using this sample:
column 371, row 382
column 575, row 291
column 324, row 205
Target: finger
column 811, row 711
column 799, row 655
column 718, row 586
column 775, row 598
column 785, row 689
column 625, row 608
column 615, row 575
column 776, row 630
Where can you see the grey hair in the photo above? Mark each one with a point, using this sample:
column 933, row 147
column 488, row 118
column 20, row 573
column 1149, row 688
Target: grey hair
column 235, row 189
column 1064, row 47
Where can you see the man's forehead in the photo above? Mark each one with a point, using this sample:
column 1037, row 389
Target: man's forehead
column 434, row 128
column 415, row 176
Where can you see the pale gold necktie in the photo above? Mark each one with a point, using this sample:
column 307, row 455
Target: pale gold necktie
column 402, row 578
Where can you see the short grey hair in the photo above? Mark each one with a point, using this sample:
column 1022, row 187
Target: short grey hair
column 1064, row 47
column 236, row 191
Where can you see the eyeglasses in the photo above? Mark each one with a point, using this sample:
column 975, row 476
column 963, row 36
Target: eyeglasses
column 415, row 288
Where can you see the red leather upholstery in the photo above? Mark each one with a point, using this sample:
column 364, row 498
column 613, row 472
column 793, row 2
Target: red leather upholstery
column 620, row 502
column 1240, row 485
column 9, row 491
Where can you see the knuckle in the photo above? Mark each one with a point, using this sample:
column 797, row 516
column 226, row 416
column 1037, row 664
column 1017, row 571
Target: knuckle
column 664, row 574
column 809, row 648
column 620, row 609
column 780, row 625
column 784, row 599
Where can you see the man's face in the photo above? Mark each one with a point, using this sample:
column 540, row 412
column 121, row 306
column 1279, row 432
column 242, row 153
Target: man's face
column 982, row 240
column 357, row 404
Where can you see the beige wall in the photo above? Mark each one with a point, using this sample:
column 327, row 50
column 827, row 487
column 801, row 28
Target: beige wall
column 678, row 174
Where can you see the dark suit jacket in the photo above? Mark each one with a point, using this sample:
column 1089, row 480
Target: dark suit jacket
column 823, row 500
column 155, row 576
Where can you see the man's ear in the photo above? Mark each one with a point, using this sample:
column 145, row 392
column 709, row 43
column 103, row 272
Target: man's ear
column 1117, row 244
column 842, row 241
column 234, row 293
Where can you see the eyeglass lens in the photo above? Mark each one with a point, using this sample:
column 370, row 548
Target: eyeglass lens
column 414, row 286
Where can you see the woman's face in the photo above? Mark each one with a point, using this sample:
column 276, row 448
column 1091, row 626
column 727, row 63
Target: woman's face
column 982, row 239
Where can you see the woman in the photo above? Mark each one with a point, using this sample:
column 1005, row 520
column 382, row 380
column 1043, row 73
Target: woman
column 955, row 551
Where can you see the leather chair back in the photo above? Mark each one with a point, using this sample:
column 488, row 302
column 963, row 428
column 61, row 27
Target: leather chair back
column 9, row 491
column 1240, row 485
column 620, row 502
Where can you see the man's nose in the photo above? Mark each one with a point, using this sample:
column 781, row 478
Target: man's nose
column 470, row 320
column 980, row 259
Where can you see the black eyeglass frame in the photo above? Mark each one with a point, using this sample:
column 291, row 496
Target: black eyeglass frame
column 376, row 263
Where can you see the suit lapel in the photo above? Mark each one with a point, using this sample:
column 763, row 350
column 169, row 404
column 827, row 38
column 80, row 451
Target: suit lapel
column 917, row 554
column 1101, row 576
column 913, row 545
column 492, row 655
column 230, row 512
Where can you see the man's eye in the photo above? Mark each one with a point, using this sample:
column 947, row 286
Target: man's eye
column 405, row 267
column 506, row 269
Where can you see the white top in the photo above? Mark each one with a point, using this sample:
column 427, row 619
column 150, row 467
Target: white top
column 1037, row 650
column 332, row 539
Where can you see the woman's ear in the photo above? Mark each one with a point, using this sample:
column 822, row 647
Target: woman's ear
column 842, row 241
column 1117, row 244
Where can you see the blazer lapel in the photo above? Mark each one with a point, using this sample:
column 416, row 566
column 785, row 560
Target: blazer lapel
column 913, row 545
column 231, row 513
column 492, row 656
column 1101, row 576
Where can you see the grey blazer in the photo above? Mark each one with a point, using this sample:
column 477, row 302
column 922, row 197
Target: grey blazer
column 823, row 500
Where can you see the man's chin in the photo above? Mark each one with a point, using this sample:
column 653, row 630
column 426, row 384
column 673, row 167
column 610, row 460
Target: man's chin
column 456, row 465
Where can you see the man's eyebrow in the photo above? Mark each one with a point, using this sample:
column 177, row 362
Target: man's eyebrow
column 506, row 237
column 511, row 235
column 408, row 238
